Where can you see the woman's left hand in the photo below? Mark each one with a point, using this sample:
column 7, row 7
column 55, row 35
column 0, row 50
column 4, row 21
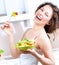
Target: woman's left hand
column 31, row 51
column 28, row 51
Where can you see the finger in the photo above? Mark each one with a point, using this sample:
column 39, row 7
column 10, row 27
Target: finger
column 28, row 50
column 7, row 23
column 4, row 26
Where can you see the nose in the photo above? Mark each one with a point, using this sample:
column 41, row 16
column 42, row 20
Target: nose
column 42, row 13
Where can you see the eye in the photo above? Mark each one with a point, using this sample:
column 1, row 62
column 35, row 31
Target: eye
column 41, row 9
column 46, row 13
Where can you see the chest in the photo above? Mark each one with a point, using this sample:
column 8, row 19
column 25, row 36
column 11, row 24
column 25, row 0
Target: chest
column 33, row 36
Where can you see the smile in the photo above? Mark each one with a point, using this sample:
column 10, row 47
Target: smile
column 38, row 17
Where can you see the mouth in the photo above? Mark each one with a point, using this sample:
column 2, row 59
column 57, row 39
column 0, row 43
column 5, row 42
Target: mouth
column 39, row 18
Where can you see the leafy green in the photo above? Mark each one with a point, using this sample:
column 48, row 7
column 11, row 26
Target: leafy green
column 25, row 44
column 1, row 51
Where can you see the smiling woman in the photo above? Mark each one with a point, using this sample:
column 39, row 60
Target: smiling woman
column 44, row 14
column 54, row 20
column 46, row 21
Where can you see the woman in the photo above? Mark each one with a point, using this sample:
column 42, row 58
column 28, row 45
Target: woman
column 45, row 21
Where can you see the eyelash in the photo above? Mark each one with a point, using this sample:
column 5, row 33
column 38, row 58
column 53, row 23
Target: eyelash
column 46, row 14
column 41, row 9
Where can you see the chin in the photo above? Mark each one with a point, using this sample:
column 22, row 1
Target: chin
column 37, row 23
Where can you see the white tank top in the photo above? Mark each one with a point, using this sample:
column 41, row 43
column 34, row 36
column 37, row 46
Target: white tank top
column 29, row 59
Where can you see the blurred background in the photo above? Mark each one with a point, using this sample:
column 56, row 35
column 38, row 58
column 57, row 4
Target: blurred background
column 24, row 19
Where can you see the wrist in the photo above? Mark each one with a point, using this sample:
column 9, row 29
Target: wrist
column 11, row 35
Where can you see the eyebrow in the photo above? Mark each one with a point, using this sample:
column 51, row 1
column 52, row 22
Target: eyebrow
column 45, row 12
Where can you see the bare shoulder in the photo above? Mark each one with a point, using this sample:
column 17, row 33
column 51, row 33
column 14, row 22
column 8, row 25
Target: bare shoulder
column 27, row 31
column 24, row 35
column 44, row 42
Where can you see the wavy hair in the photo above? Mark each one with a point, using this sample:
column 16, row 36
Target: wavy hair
column 54, row 21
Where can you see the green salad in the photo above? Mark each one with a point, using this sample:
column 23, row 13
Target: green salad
column 25, row 44
column 1, row 51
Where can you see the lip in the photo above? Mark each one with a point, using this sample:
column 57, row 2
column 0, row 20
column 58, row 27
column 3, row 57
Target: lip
column 38, row 17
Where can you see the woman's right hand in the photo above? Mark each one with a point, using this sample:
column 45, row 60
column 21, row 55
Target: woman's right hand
column 6, row 27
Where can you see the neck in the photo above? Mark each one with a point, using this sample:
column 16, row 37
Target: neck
column 37, row 27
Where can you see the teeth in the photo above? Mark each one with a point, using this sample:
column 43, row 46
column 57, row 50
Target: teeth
column 38, row 17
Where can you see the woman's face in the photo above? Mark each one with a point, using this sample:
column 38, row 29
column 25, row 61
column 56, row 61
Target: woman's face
column 43, row 15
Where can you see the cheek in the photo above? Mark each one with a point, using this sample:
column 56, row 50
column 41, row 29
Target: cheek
column 46, row 20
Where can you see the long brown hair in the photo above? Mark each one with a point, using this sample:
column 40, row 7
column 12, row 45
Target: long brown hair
column 54, row 21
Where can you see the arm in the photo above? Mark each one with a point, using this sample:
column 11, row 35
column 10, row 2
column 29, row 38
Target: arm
column 45, row 46
column 7, row 28
column 15, row 52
